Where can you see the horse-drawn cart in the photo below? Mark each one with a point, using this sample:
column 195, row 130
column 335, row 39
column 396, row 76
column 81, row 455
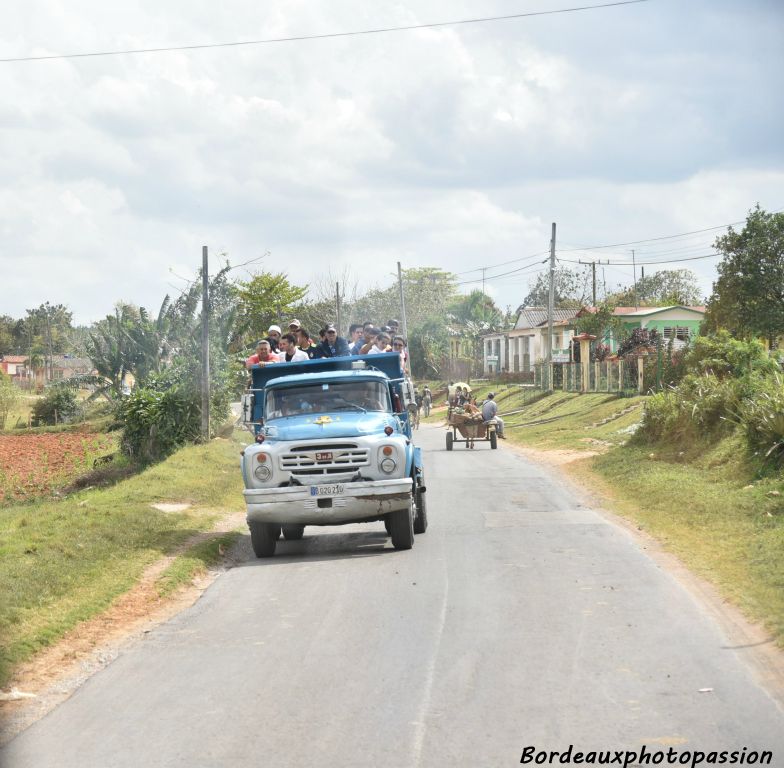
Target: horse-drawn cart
column 468, row 427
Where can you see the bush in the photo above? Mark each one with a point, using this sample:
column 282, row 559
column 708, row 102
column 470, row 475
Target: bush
column 700, row 407
column 166, row 413
column 762, row 418
column 58, row 406
column 725, row 356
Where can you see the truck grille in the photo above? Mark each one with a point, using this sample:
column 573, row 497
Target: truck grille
column 313, row 460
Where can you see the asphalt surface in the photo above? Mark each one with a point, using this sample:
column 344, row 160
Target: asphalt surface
column 521, row 618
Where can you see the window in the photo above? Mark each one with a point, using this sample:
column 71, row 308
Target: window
column 679, row 333
column 327, row 398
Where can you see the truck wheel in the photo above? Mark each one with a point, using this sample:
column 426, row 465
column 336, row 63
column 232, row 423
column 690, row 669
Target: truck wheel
column 493, row 440
column 420, row 521
column 263, row 538
column 401, row 525
column 388, row 526
column 449, row 440
column 293, row 532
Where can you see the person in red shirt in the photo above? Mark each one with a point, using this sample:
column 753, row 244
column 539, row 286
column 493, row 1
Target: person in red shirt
column 264, row 355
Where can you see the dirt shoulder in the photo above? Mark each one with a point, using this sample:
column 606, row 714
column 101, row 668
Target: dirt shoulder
column 51, row 676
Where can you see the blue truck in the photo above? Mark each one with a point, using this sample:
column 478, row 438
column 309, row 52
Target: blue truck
column 333, row 445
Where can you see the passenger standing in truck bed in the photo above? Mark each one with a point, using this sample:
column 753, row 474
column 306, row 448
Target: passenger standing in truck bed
column 333, row 345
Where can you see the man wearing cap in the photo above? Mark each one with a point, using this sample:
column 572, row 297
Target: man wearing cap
column 490, row 411
column 273, row 337
column 294, row 326
column 333, row 345
column 264, row 355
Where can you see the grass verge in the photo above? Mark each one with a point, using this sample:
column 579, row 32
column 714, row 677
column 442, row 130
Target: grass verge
column 710, row 504
column 63, row 562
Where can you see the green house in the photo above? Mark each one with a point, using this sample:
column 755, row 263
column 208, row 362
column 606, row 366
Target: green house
column 677, row 322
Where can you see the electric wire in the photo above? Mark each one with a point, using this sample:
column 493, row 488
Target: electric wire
column 323, row 36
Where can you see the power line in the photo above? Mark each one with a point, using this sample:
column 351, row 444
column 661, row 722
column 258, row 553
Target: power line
column 629, row 263
column 653, row 239
column 323, row 36
column 519, row 271
column 502, row 264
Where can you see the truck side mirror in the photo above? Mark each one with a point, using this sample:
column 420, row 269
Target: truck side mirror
column 248, row 403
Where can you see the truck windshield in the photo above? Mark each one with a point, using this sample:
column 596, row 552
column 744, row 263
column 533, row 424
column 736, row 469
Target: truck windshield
column 360, row 396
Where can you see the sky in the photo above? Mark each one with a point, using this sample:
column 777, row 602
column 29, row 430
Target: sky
column 453, row 147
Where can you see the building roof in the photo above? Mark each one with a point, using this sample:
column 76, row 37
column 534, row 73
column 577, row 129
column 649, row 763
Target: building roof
column 639, row 311
column 531, row 317
column 644, row 311
column 13, row 359
column 74, row 363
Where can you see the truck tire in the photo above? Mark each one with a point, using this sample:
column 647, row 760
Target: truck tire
column 388, row 526
column 401, row 525
column 493, row 440
column 293, row 532
column 264, row 538
column 420, row 521
column 449, row 440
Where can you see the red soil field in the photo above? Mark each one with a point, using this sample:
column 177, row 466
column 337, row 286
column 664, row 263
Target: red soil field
column 37, row 465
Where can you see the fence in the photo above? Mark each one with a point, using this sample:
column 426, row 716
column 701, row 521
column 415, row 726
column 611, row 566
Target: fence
column 619, row 377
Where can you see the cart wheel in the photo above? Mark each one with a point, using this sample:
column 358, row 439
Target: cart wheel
column 493, row 440
column 449, row 441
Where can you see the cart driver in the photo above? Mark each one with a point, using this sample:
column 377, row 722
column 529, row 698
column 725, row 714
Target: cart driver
column 490, row 412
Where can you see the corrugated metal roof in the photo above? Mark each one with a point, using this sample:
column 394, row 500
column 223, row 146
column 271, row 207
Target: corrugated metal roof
column 531, row 317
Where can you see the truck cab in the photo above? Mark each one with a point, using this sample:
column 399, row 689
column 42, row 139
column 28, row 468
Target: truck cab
column 333, row 446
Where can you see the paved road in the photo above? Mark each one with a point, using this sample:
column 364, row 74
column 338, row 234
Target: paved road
column 520, row 618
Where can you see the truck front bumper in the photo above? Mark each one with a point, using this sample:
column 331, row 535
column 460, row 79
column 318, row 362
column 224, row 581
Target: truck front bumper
column 359, row 501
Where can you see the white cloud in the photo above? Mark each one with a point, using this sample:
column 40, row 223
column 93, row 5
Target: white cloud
column 454, row 147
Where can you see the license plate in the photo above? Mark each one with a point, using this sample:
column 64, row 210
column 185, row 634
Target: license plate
column 334, row 489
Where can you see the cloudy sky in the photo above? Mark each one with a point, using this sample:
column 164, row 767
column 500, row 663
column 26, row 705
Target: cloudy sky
column 453, row 147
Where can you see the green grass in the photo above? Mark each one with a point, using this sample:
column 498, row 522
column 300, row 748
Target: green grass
column 19, row 415
column 194, row 562
column 65, row 561
column 710, row 503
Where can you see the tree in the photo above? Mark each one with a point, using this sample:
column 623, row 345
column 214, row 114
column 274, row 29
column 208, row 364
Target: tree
column 9, row 397
column 571, row 289
column 602, row 323
column 661, row 289
column 7, row 339
column 748, row 297
column 264, row 300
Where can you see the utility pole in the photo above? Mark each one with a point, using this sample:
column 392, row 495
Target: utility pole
column 593, row 274
column 205, row 346
column 337, row 306
column 550, row 312
column 634, row 266
column 402, row 301
column 642, row 283
column 604, row 283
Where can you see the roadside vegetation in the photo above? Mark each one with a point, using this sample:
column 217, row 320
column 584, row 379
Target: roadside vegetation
column 62, row 562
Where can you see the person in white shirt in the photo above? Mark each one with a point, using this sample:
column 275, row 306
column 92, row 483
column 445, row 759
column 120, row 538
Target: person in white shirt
column 381, row 344
column 288, row 350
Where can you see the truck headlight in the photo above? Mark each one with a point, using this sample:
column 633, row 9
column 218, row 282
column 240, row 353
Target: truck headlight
column 388, row 465
column 263, row 473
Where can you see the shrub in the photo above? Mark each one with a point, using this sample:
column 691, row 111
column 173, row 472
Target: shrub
column 698, row 408
column 762, row 418
column 58, row 406
column 725, row 356
column 638, row 338
column 166, row 413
